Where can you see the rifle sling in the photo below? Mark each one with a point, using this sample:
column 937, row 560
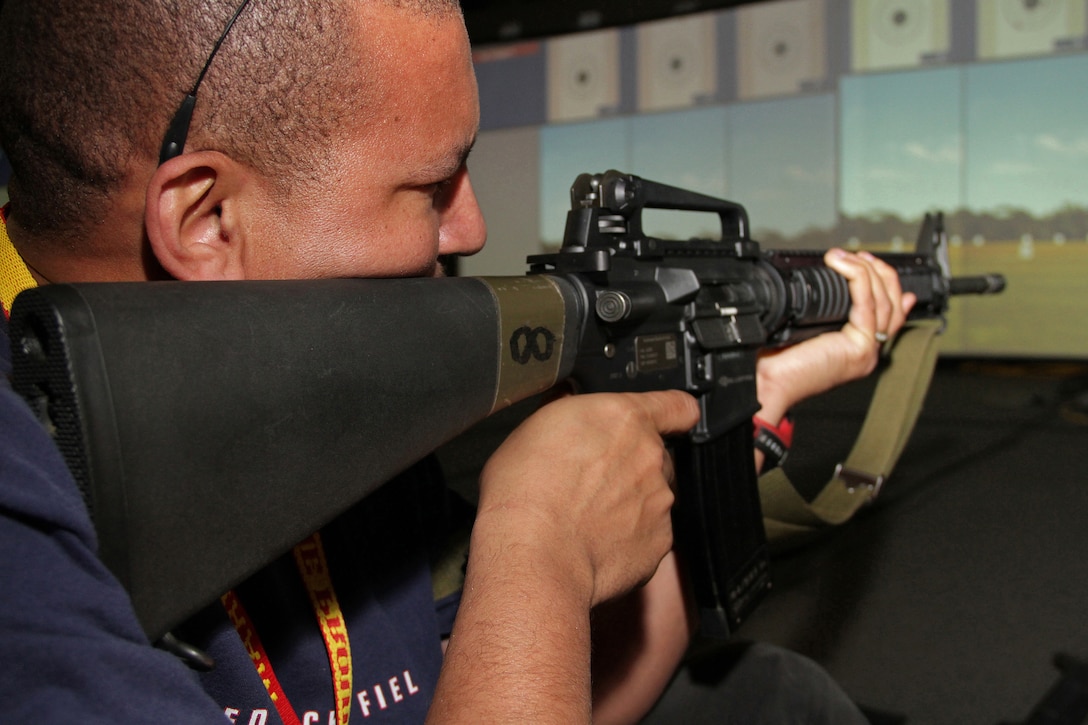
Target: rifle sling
column 897, row 401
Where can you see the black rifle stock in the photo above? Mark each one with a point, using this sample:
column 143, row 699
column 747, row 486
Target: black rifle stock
column 213, row 425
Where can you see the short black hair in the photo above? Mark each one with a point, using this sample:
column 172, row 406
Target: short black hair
column 87, row 90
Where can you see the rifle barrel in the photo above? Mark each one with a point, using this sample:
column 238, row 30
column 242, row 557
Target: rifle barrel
column 983, row 284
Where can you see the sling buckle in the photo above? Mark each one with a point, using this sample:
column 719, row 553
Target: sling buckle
column 854, row 479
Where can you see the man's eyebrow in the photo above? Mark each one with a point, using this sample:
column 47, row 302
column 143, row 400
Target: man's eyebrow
column 454, row 162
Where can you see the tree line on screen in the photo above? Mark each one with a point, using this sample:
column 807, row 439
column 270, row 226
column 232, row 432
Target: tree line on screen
column 1006, row 224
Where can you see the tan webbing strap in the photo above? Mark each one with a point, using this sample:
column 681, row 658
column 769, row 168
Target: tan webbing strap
column 897, row 402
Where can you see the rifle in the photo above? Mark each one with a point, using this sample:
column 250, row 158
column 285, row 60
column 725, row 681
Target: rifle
column 213, row 425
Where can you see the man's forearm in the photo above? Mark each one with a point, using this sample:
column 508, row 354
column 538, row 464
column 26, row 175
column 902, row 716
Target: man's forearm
column 638, row 642
column 520, row 648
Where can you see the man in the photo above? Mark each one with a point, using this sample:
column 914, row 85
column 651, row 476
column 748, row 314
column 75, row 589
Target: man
column 330, row 139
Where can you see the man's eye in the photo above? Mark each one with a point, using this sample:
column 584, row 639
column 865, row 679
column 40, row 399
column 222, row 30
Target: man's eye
column 440, row 191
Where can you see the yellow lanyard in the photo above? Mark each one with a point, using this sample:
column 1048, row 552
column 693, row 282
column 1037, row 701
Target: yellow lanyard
column 14, row 274
column 311, row 563
column 310, row 558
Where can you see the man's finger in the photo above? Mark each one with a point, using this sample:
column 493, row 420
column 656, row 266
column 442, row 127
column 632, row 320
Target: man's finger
column 672, row 411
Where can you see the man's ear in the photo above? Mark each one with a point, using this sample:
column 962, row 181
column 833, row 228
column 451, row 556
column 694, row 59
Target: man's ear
column 191, row 216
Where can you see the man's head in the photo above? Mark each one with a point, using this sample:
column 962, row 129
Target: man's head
column 303, row 115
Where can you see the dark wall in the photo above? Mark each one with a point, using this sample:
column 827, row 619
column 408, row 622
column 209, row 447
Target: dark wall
column 492, row 21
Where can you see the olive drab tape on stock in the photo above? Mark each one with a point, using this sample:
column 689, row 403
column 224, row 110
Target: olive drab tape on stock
column 532, row 334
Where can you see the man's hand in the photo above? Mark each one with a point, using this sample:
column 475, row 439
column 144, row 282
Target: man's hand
column 588, row 480
column 878, row 310
column 574, row 510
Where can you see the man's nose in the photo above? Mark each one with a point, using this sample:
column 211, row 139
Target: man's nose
column 464, row 230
